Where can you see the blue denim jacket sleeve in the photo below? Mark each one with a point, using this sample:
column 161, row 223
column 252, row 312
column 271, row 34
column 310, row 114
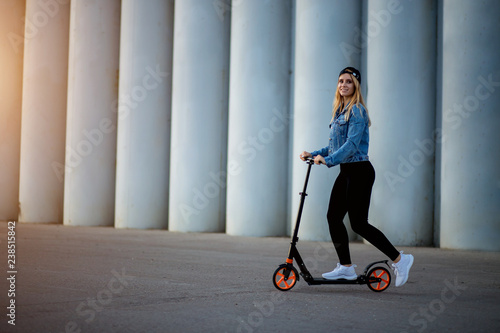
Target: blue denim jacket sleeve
column 348, row 139
column 323, row 152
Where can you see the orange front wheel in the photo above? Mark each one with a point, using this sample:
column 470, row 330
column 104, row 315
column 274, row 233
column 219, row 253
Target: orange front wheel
column 379, row 279
column 285, row 277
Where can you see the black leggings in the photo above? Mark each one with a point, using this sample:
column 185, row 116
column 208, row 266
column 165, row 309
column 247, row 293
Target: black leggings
column 351, row 194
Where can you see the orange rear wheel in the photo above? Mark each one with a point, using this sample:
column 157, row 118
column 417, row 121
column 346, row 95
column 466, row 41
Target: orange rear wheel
column 281, row 282
column 377, row 273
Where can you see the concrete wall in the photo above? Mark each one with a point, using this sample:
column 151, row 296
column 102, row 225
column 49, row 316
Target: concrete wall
column 249, row 85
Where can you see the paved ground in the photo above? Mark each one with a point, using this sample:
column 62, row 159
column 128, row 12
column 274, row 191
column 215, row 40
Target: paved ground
column 78, row 279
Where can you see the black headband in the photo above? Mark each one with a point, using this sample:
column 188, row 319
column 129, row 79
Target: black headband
column 353, row 71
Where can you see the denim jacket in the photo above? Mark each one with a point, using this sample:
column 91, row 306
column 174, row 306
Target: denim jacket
column 348, row 139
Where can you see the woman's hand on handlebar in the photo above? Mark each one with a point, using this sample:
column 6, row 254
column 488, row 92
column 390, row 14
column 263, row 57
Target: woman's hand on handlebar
column 318, row 159
column 305, row 155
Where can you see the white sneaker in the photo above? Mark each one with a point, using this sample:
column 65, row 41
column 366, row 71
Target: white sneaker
column 402, row 268
column 341, row 272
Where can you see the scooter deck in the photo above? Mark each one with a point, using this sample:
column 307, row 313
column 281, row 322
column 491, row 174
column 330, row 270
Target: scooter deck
column 317, row 281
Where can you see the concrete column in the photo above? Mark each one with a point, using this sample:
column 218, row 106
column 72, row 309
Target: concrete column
column 470, row 178
column 43, row 133
column 144, row 114
column 199, row 117
column 401, row 61
column 89, row 189
column 325, row 44
column 11, row 50
column 258, row 123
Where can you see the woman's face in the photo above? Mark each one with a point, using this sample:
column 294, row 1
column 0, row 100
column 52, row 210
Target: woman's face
column 345, row 85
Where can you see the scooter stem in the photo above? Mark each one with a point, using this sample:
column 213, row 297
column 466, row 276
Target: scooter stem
column 303, row 195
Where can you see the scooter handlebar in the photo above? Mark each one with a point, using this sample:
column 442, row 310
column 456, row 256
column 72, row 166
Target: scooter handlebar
column 309, row 160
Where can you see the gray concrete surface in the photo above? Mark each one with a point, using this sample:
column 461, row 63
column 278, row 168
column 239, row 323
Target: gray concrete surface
column 84, row 279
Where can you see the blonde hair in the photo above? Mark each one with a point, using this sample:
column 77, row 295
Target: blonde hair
column 355, row 99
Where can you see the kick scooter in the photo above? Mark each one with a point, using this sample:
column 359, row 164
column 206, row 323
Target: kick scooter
column 377, row 278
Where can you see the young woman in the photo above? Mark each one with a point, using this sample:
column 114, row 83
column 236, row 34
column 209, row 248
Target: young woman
column 348, row 146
